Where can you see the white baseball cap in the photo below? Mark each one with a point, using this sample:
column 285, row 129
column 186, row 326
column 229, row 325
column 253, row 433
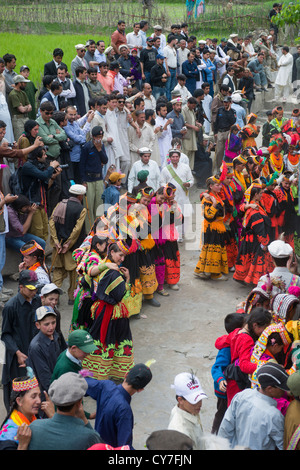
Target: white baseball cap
column 188, row 386
column 47, row 288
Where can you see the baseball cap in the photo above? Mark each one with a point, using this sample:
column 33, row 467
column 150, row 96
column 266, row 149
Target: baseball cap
column 24, row 67
column 41, row 312
column 83, row 340
column 272, row 374
column 150, row 39
column 115, row 176
column 28, row 279
column 20, row 79
column 160, row 56
column 97, row 130
column 47, row 288
column 188, row 386
column 293, row 382
column 139, row 376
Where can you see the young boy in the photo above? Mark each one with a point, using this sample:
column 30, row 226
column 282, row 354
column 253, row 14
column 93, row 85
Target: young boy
column 44, row 348
column 266, row 134
column 111, row 194
column 185, row 416
column 94, row 86
column 80, row 344
column 50, row 294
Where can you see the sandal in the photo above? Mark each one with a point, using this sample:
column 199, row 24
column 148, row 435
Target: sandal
column 163, row 292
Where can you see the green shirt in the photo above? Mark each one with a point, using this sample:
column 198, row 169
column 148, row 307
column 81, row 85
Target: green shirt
column 17, row 98
column 45, row 131
column 64, row 365
column 30, row 91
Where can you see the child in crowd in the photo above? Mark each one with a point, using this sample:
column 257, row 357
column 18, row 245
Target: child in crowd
column 241, row 342
column 231, row 322
column 44, row 348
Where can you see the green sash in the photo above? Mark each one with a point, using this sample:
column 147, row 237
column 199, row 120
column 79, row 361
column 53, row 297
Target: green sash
column 176, row 178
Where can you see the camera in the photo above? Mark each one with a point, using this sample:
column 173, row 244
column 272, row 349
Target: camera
column 64, row 166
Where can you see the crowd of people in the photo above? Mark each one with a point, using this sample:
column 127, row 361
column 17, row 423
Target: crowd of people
column 101, row 164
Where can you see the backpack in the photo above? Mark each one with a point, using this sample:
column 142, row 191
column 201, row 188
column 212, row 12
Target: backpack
column 15, row 182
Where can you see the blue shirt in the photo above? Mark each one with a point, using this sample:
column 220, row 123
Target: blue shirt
column 91, row 162
column 110, row 197
column 114, row 417
column 78, row 135
column 223, row 360
column 210, row 67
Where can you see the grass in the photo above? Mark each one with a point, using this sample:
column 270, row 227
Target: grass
column 35, row 50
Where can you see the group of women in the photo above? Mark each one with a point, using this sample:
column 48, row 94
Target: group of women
column 252, row 201
column 130, row 254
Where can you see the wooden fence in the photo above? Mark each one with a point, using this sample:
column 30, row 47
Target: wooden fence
column 75, row 17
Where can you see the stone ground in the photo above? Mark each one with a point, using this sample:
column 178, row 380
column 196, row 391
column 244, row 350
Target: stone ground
column 179, row 336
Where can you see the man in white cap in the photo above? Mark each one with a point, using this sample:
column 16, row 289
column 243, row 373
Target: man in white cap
column 79, row 60
column 239, row 110
column 67, row 232
column 185, row 416
column 233, row 49
column 145, row 163
column 285, row 272
column 19, row 105
column 159, row 34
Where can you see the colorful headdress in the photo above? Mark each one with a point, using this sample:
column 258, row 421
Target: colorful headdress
column 213, row 180
column 240, row 159
column 169, row 190
column 226, row 170
column 24, row 384
column 250, row 116
column 146, row 192
column 32, row 248
column 270, row 179
column 261, row 343
column 255, row 296
column 288, row 176
column 281, row 304
column 255, row 184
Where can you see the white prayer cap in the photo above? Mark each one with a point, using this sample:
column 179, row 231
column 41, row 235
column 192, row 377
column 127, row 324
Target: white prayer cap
column 80, row 46
column 176, row 100
column 280, row 249
column 145, row 150
column 234, row 35
column 236, row 97
column 201, row 41
column 77, row 189
column 108, row 49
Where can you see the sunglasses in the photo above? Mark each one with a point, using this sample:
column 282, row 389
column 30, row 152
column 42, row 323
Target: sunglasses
column 49, row 113
column 121, row 101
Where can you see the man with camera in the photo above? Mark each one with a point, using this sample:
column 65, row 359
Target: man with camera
column 77, row 130
column 38, row 176
column 52, row 135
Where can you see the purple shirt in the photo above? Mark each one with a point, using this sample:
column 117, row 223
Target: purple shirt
column 16, row 222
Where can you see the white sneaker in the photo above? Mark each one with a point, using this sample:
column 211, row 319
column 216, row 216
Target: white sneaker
column 174, row 286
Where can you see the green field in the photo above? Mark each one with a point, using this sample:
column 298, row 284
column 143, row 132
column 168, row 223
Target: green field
column 35, row 50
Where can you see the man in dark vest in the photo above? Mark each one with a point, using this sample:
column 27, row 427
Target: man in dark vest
column 68, row 93
column 67, row 232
